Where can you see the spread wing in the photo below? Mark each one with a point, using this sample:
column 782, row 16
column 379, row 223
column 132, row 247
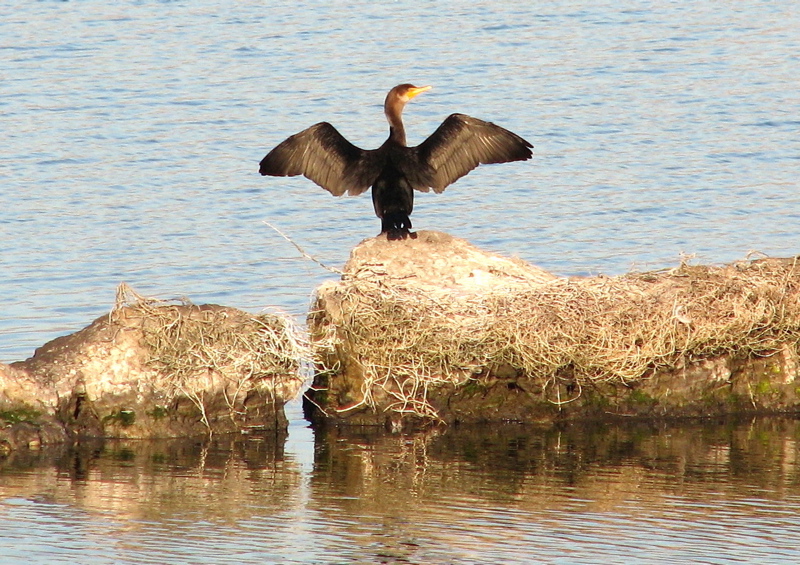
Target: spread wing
column 323, row 155
column 462, row 143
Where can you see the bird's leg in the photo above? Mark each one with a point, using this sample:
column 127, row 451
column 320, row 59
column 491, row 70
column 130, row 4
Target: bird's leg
column 407, row 227
column 396, row 225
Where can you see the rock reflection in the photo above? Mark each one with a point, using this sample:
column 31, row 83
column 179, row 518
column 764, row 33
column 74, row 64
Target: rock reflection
column 224, row 479
column 378, row 488
column 595, row 467
column 490, row 494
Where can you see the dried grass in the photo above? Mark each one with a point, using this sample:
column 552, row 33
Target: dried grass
column 577, row 330
column 191, row 346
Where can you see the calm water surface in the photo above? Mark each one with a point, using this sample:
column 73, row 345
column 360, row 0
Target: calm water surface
column 717, row 493
column 131, row 137
column 132, row 133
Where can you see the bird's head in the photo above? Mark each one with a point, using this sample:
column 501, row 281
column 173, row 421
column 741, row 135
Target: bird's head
column 399, row 96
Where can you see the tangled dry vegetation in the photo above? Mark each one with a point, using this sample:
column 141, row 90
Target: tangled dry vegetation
column 570, row 330
column 188, row 343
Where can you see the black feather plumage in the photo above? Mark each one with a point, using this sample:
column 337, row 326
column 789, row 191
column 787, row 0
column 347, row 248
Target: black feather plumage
column 394, row 171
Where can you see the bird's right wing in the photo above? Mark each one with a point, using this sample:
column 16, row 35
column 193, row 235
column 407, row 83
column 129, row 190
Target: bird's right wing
column 462, row 143
column 323, row 155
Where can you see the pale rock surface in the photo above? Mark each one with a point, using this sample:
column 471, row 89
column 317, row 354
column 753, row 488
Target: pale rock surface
column 103, row 381
column 432, row 265
column 439, row 262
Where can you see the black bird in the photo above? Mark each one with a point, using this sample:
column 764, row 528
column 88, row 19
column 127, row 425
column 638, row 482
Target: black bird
column 394, row 170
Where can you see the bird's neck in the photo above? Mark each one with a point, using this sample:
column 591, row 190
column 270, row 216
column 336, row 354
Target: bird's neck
column 397, row 132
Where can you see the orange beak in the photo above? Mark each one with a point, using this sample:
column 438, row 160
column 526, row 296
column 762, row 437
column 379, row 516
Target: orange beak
column 412, row 92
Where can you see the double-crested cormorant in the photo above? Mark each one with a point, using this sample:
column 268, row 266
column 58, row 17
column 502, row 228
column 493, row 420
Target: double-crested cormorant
column 394, row 170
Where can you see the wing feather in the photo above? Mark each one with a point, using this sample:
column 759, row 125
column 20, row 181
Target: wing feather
column 324, row 156
column 462, row 143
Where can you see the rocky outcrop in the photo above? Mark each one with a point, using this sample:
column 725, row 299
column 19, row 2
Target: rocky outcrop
column 435, row 329
column 151, row 369
column 428, row 329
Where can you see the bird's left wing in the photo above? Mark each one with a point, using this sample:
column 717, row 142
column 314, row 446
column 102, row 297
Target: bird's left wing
column 462, row 143
column 323, row 155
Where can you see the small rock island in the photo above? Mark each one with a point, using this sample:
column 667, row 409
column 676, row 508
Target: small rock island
column 154, row 369
column 419, row 331
column 436, row 329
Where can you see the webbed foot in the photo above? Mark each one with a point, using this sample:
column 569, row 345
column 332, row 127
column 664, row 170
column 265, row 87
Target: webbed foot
column 396, row 226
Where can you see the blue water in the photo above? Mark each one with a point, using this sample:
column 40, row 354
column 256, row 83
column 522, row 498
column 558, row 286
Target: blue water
column 131, row 134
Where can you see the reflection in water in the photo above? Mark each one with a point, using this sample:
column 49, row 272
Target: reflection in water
column 597, row 466
column 483, row 490
column 151, row 480
column 656, row 493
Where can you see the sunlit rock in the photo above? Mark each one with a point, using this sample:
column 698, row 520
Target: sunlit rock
column 435, row 329
column 154, row 369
